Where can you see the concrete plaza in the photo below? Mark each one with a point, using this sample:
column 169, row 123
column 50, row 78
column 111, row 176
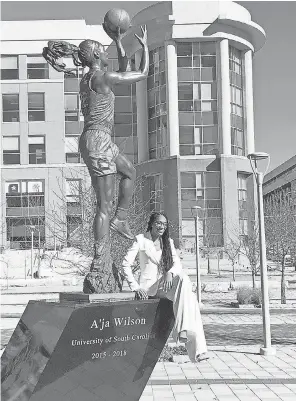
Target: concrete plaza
column 235, row 373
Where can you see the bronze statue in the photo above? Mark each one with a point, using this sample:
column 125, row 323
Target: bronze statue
column 100, row 154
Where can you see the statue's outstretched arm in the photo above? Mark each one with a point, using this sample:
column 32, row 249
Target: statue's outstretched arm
column 129, row 77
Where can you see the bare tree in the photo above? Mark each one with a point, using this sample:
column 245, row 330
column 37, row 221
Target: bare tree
column 78, row 204
column 232, row 248
column 280, row 227
column 211, row 241
column 250, row 249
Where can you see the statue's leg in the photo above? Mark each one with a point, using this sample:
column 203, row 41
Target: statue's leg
column 126, row 187
column 103, row 187
column 101, row 278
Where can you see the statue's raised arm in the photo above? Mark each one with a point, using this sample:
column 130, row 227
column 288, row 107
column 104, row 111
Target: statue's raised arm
column 129, row 77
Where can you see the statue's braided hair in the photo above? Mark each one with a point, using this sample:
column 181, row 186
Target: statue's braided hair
column 166, row 257
column 82, row 55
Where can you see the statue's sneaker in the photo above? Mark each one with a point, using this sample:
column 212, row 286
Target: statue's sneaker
column 121, row 227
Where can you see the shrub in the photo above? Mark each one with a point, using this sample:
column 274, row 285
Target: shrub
column 247, row 295
column 167, row 354
column 256, row 296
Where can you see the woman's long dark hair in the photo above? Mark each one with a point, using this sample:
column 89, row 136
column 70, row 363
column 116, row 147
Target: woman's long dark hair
column 166, row 257
column 82, row 55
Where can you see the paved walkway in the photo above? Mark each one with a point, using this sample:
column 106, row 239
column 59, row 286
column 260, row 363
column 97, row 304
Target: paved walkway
column 232, row 373
column 235, row 372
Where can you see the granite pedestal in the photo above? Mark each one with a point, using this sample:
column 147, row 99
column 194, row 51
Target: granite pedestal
column 85, row 348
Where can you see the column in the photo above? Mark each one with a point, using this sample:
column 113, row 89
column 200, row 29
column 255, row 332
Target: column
column 22, row 66
column 23, row 124
column 2, row 208
column 250, row 137
column 293, row 191
column 142, row 115
column 172, row 97
column 225, row 97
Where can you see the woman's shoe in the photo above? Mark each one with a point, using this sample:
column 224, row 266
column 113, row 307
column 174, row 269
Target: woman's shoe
column 202, row 357
column 183, row 336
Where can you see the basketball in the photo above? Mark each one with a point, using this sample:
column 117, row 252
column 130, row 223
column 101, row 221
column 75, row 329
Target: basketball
column 117, row 18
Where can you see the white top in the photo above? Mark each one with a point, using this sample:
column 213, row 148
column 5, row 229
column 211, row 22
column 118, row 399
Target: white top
column 149, row 259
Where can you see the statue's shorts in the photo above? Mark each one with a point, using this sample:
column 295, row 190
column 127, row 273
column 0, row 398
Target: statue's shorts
column 98, row 151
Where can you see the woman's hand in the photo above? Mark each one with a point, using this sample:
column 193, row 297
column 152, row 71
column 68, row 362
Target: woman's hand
column 142, row 40
column 141, row 294
column 167, row 281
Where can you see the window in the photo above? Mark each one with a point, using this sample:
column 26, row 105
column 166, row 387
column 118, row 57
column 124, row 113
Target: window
column 9, row 67
column 19, row 231
column 71, row 84
column 37, row 68
column 155, row 188
column 36, row 108
column 242, row 203
column 73, row 190
column 197, row 98
column 71, row 107
column 203, row 189
column 73, row 196
column 157, row 113
column 74, row 231
column 10, row 104
column 125, row 118
column 188, row 234
column 72, row 153
column 237, row 93
column 11, row 149
column 73, row 114
column 24, row 194
column 37, row 150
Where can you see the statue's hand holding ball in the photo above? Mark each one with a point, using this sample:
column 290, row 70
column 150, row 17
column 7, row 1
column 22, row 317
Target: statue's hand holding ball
column 116, row 23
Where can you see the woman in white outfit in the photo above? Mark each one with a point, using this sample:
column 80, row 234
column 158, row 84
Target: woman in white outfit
column 162, row 276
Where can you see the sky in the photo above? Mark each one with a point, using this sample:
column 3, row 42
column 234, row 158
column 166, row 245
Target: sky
column 274, row 65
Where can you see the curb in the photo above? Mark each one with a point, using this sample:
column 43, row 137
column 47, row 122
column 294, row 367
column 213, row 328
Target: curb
column 267, row 380
column 203, row 311
column 237, row 311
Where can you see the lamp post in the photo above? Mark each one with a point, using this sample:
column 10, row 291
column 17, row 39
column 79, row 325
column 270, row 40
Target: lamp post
column 254, row 158
column 32, row 228
column 194, row 211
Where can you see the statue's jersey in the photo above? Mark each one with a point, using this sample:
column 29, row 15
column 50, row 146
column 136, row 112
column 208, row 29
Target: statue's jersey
column 95, row 144
column 97, row 108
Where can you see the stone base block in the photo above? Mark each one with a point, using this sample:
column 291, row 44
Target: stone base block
column 85, row 349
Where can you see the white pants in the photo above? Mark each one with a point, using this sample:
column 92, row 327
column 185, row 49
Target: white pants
column 186, row 311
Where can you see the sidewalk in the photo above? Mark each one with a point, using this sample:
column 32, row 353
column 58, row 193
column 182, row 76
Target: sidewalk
column 232, row 373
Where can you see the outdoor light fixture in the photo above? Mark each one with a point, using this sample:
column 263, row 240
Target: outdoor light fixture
column 195, row 211
column 254, row 159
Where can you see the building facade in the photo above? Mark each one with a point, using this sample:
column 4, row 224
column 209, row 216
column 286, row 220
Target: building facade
column 188, row 128
column 41, row 170
column 281, row 180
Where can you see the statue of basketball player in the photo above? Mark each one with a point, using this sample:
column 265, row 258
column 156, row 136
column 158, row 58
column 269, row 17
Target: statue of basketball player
column 100, row 154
